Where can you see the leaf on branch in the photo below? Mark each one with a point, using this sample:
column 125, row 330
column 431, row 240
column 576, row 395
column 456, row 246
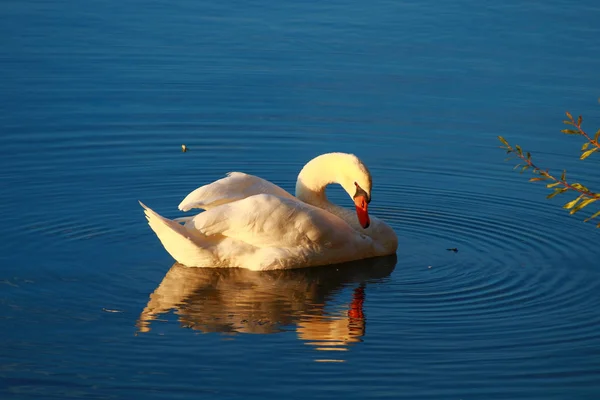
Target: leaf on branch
column 556, row 191
column 528, row 155
column 517, row 166
column 579, row 119
column 572, row 203
column 567, row 122
column 570, row 132
column 525, row 168
column 581, row 205
column 588, row 153
column 568, row 114
column 579, row 186
column 537, row 179
column 519, row 149
column 585, row 146
column 597, row 136
column 551, row 185
column 592, row 217
column 564, row 175
column 504, row 142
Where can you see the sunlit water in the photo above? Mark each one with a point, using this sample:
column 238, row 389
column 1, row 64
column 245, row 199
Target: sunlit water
column 97, row 99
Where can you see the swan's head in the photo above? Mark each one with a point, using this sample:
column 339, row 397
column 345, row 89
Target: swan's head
column 355, row 178
column 342, row 168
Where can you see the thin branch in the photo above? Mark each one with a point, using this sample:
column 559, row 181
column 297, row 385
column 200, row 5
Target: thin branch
column 580, row 131
column 586, row 196
column 545, row 173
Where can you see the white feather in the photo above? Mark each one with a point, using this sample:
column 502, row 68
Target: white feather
column 235, row 186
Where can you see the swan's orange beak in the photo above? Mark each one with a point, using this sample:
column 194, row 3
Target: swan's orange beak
column 362, row 211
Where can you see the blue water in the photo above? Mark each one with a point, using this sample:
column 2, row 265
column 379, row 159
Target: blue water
column 97, row 99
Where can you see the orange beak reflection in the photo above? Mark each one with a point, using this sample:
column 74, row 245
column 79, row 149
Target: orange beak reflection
column 362, row 211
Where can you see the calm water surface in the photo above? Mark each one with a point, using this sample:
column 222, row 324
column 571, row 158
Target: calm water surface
column 97, row 99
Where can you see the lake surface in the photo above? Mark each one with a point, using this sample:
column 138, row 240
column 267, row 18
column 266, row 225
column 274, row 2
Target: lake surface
column 97, row 99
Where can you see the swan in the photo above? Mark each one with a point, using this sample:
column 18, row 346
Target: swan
column 249, row 222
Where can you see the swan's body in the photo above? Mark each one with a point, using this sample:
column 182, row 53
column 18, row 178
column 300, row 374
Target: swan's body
column 251, row 223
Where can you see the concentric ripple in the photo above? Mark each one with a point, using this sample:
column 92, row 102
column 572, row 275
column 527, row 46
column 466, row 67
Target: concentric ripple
column 493, row 275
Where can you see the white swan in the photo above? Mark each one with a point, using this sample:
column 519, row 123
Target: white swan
column 252, row 223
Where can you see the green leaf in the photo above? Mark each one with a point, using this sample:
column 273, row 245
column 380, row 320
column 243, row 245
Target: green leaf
column 504, row 142
column 519, row 149
column 551, row 185
column 579, row 186
column 537, row 179
column 568, row 114
column 556, row 191
column 585, row 146
column 525, row 168
column 572, row 203
column 570, row 132
column 582, row 204
column 588, row 153
column 579, row 119
column 567, row 122
column 592, row 217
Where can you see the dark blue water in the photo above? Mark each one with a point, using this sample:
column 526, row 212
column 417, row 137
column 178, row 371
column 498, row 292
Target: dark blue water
column 97, row 99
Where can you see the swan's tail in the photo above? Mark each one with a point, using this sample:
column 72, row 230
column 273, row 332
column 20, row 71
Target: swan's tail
column 186, row 247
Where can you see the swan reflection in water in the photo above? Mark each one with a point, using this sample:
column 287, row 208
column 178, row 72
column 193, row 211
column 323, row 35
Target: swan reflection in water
column 236, row 300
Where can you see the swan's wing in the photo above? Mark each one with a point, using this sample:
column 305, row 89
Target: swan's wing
column 270, row 221
column 235, row 186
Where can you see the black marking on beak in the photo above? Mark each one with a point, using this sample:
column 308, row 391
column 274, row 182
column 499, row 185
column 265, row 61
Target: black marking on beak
column 361, row 192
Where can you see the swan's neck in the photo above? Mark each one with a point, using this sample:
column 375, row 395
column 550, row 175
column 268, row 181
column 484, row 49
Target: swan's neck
column 311, row 184
column 314, row 178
